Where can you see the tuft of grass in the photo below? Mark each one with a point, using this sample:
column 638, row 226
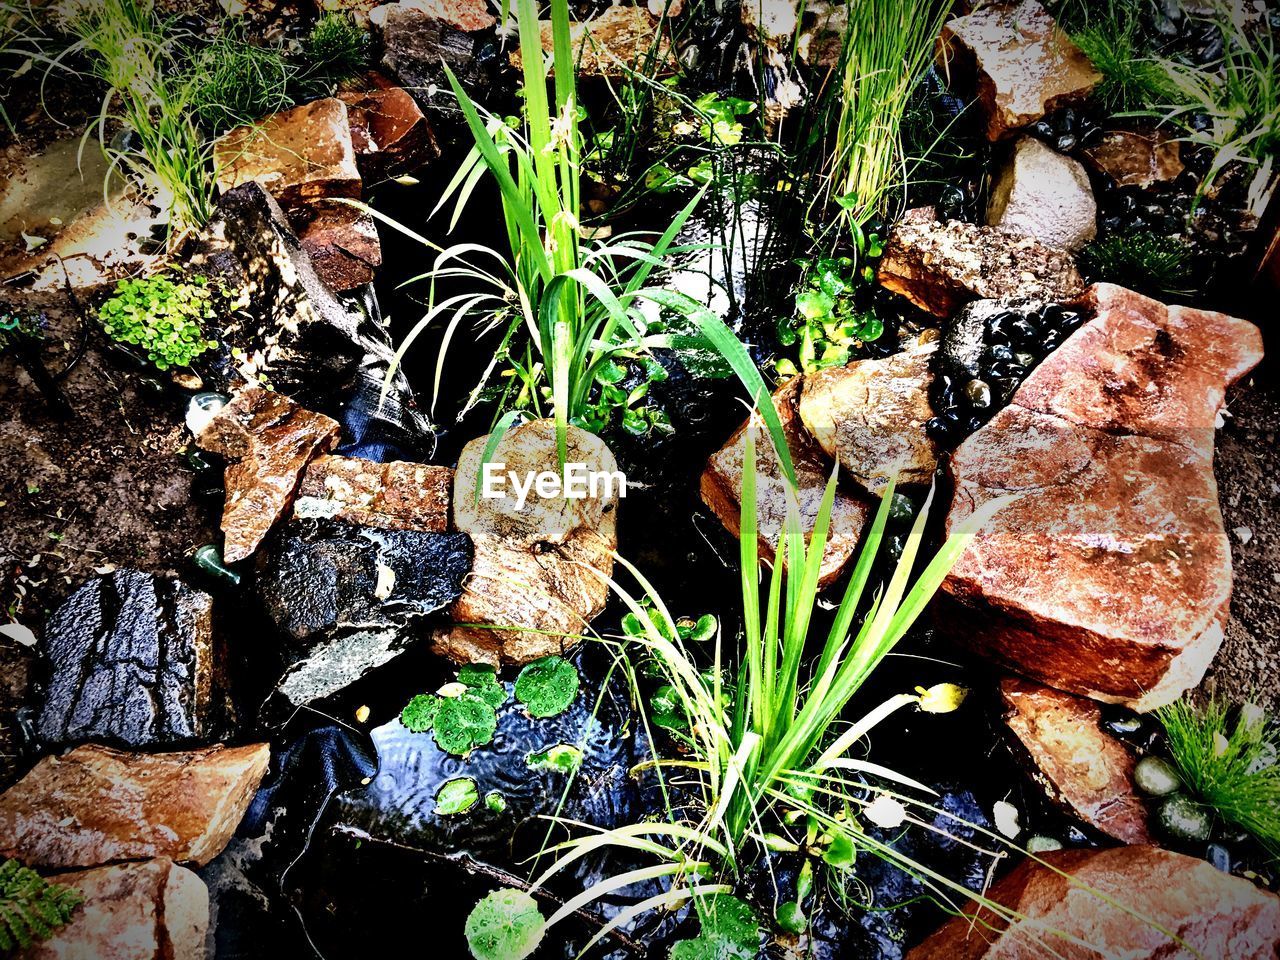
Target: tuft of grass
column 1112, row 36
column 337, row 48
column 1229, row 763
column 1144, row 261
column 235, row 82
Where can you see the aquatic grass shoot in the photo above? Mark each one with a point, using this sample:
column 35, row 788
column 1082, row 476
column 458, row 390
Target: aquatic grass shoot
column 1229, row 764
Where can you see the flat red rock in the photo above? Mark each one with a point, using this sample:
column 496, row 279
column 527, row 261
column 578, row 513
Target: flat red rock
column 1109, row 574
column 1139, row 903
column 394, row 496
column 95, row 805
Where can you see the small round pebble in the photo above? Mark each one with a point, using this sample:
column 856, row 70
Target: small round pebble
column 1042, row 844
column 1156, row 777
column 1183, row 819
column 1219, row 856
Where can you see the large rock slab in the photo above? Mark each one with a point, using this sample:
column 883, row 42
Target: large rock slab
column 133, row 911
column 1115, row 903
column 1136, row 158
column 539, row 571
column 350, row 599
column 96, row 805
column 1082, row 768
column 614, row 44
column 870, row 416
column 341, row 240
column 1019, row 62
column 291, row 331
column 1110, row 575
column 132, row 660
column 270, row 440
column 418, row 34
column 394, row 496
column 721, row 487
column 390, row 133
column 301, row 154
column 942, row 266
column 1043, row 194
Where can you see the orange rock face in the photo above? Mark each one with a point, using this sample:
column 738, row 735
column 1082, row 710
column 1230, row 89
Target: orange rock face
column 1210, row 913
column 271, row 440
column 132, row 911
column 722, row 488
column 1109, row 574
column 95, row 805
column 1081, row 767
column 393, row 496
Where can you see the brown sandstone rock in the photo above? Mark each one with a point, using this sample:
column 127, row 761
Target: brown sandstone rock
column 941, row 267
column 540, row 568
column 390, row 134
column 612, row 44
column 1022, row 65
column 1043, row 194
column 1110, row 575
column 870, row 416
column 133, row 911
column 341, row 240
column 1135, row 158
column 1080, row 766
column 95, row 805
column 300, row 154
column 1210, row 913
column 393, row 496
column 271, row 439
column 722, row 487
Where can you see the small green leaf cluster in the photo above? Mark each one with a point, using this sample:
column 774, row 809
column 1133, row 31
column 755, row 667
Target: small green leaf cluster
column 163, row 317
column 828, row 324
column 730, row 931
column 17, row 325
column 463, row 721
column 711, row 121
column 613, row 397
column 31, row 908
column 547, row 687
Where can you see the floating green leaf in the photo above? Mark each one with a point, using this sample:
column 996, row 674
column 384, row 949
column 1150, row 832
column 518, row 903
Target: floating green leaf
column 505, row 925
column 562, row 758
column 495, row 801
column 484, row 683
column 420, row 713
column 464, row 722
column 547, row 687
column 456, row 796
column 730, row 931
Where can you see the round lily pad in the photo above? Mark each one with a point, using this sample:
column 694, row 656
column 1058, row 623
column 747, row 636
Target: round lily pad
column 420, row 713
column 547, row 687
column 505, row 925
column 464, row 722
column 456, row 796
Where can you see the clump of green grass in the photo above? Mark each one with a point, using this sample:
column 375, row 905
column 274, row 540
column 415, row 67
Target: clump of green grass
column 236, row 82
column 337, row 48
column 1229, row 763
column 1145, row 261
column 1112, row 37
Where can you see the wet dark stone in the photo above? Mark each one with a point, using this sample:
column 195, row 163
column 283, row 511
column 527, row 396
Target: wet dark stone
column 349, row 599
column 132, row 661
column 1219, row 856
column 399, row 805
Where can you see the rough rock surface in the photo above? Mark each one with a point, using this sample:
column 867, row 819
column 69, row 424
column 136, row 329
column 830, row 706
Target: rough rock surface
column 1211, row 914
column 541, row 568
column 1081, row 767
column 940, row 267
column 390, row 134
column 300, row 154
column 133, row 661
column 722, row 487
column 418, row 34
column 1110, row 574
column 612, row 44
column 96, row 805
column 155, row 910
column 1136, row 158
column 1043, row 194
column 1020, row 63
column 394, row 496
column 352, row 598
column 870, row 416
column 271, row 440
column 292, row 332
column 341, row 241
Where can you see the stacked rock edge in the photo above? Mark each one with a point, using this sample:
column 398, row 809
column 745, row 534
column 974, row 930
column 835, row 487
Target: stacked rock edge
column 95, row 805
column 132, row 911
column 1087, row 904
column 721, row 487
column 1109, row 572
column 541, row 571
